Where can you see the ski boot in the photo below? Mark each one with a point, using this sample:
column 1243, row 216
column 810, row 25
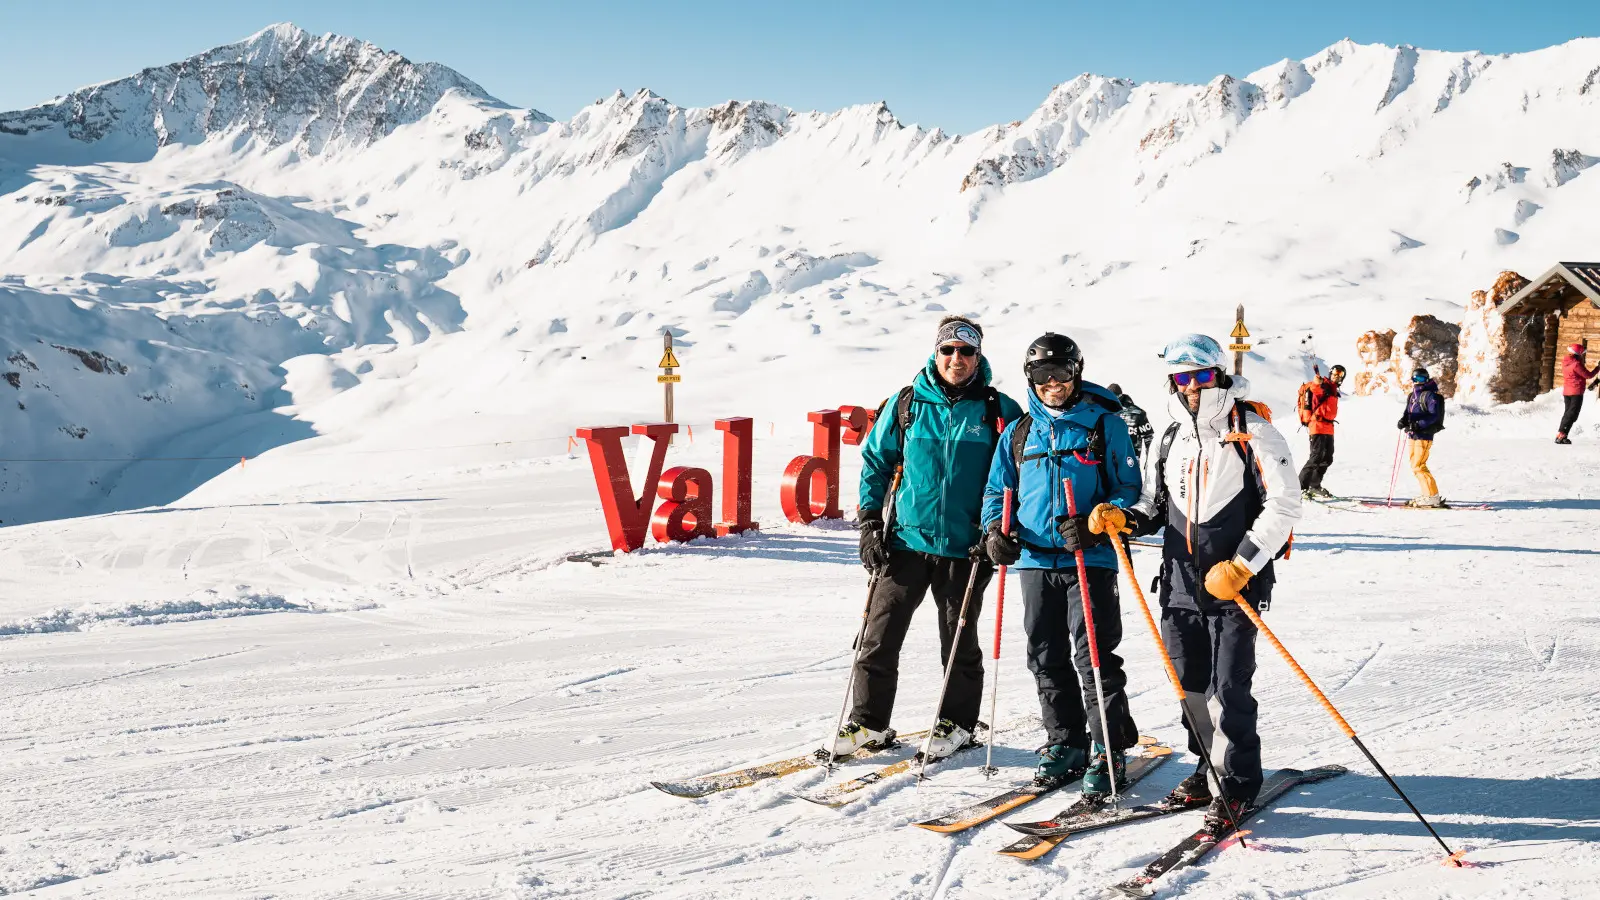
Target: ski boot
column 1562, row 439
column 1225, row 812
column 946, row 738
column 1103, row 768
column 1194, row 790
column 1430, row 501
column 1060, row 764
column 855, row 736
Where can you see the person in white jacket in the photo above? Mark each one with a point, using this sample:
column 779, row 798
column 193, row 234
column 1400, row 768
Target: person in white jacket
column 1224, row 487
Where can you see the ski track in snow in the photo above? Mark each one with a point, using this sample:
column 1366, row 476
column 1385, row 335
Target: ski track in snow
column 466, row 722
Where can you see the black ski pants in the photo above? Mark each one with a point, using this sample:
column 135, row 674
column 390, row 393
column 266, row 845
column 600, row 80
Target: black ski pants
column 1215, row 655
column 899, row 592
column 1572, row 405
column 1317, row 462
column 1058, row 656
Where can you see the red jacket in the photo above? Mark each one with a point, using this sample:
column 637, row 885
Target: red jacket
column 1324, row 406
column 1575, row 375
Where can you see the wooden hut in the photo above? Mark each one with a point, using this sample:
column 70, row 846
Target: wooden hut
column 1568, row 297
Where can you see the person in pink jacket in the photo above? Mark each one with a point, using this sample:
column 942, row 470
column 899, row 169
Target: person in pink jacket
column 1574, row 378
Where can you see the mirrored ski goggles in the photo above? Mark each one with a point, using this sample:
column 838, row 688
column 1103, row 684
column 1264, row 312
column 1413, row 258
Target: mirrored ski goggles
column 967, row 350
column 1202, row 377
column 1045, row 372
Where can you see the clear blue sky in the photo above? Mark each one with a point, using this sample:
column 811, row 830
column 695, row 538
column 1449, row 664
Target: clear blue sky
column 959, row 66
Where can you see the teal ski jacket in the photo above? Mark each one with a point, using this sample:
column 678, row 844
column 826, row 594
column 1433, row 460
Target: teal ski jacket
column 945, row 457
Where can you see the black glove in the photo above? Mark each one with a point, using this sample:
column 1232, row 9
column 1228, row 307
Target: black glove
column 1002, row 549
column 1401, row 424
column 1076, row 535
column 874, row 549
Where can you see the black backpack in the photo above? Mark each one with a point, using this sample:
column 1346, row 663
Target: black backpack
column 1097, row 438
column 902, row 407
column 1245, row 451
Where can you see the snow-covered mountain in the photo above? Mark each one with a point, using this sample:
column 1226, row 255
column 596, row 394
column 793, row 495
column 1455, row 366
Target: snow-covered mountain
column 299, row 235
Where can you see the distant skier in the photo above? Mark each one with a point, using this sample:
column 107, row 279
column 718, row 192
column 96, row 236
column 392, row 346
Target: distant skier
column 1319, row 412
column 1574, row 378
column 1073, row 430
column 941, row 432
column 1139, row 427
column 1423, row 418
column 1228, row 506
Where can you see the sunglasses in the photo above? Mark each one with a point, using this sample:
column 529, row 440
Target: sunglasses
column 967, row 351
column 1204, row 378
column 1044, row 373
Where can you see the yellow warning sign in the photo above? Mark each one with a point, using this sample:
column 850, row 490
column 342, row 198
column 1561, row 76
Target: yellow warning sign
column 669, row 360
column 1239, row 331
column 1238, row 348
column 669, row 379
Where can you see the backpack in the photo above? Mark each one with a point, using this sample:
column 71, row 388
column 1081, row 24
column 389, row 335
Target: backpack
column 1097, row 438
column 1308, row 401
column 1236, row 422
column 902, row 408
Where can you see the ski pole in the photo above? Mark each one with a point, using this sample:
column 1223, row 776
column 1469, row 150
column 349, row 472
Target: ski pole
column 1094, row 645
column 825, row 752
column 950, row 665
column 1451, row 856
column 1202, row 740
column 1394, row 470
column 999, row 615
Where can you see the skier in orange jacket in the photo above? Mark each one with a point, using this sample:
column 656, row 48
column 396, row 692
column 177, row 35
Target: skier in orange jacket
column 1319, row 410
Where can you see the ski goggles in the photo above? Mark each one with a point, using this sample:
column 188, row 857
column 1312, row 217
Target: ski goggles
column 1044, row 372
column 1203, row 377
column 967, row 352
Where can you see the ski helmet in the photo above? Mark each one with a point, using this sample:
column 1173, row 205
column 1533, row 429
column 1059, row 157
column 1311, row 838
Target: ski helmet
column 1191, row 352
column 1420, row 374
column 1057, row 352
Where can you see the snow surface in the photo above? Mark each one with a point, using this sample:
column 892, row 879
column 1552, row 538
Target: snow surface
column 361, row 664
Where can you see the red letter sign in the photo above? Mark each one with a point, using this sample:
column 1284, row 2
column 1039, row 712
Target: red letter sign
column 798, row 493
column 626, row 518
column 687, row 493
column 857, row 422
column 738, row 437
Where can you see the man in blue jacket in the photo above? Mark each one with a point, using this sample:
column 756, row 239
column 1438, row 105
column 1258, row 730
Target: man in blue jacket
column 1072, row 435
column 940, row 433
column 1423, row 418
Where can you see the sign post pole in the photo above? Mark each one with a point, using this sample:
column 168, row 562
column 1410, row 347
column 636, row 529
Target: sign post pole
column 1239, row 334
column 669, row 362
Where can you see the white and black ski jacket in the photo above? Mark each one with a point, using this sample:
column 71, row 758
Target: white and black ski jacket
column 1230, row 492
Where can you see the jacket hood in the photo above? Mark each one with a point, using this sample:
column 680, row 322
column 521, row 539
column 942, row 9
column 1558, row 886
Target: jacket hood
column 930, row 387
column 1211, row 420
column 1110, row 403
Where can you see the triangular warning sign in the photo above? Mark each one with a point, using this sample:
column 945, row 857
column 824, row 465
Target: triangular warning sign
column 669, row 360
column 1239, row 331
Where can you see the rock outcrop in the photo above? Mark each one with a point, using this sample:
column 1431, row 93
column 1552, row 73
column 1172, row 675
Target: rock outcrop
column 1432, row 343
column 1499, row 358
column 1376, row 375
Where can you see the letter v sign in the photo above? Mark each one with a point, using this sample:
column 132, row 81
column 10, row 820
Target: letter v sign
column 627, row 514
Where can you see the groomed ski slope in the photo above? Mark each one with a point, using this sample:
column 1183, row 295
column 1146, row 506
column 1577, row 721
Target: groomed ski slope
column 400, row 689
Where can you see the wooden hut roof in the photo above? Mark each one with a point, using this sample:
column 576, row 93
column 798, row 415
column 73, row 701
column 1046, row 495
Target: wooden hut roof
column 1556, row 289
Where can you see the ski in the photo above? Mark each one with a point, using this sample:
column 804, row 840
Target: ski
column 1070, row 822
column 1000, row 804
column 1343, row 504
column 837, row 795
column 1084, row 810
column 1448, row 508
column 704, row 785
column 1192, row 848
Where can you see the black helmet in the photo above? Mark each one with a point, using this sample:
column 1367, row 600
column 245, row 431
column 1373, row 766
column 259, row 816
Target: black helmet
column 1053, row 353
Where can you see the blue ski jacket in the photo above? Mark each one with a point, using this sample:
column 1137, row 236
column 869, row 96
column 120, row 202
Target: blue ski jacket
column 945, row 457
column 1057, row 448
column 1424, row 416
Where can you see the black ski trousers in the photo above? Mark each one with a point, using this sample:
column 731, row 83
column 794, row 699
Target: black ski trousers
column 1317, row 462
column 1572, row 405
column 899, row 592
column 1215, row 655
column 1058, row 656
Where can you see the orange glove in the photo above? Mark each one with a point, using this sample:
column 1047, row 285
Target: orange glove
column 1107, row 519
column 1226, row 579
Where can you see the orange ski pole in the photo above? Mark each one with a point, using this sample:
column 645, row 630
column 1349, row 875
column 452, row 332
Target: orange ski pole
column 999, row 615
column 1452, row 857
column 1172, row 671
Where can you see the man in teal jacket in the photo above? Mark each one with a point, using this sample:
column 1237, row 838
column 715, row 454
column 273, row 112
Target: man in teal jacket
column 940, row 433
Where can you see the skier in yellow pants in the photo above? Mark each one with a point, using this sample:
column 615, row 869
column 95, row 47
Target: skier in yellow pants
column 1424, row 418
